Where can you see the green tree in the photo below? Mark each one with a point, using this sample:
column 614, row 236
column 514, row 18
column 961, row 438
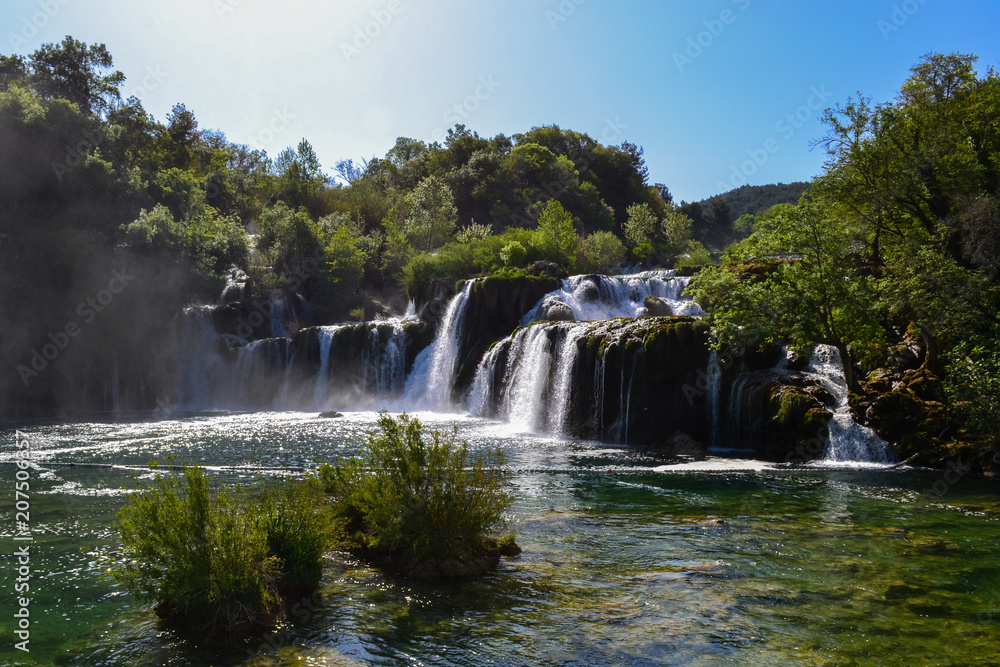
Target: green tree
column 430, row 214
column 603, row 252
column 641, row 226
column 794, row 280
column 557, row 238
column 74, row 71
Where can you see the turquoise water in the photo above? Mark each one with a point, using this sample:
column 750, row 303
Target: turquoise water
column 629, row 558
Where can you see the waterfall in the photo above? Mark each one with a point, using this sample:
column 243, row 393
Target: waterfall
column 236, row 283
column 526, row 396
column 713, row 386
column 849, row 441
column 598, row 297
column 385, row 360
column 430, row 383
column 199, row 364
column 325, row 335
column 279, row 315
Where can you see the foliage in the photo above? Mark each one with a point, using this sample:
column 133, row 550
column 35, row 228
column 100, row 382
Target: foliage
column 219, row 560
column 430, row 214
column 603, row 252
column 418, row 496
column 973, row 384
column 513, row 255
column 556, row 237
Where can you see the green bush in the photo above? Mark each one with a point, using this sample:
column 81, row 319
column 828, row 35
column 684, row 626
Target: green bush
column 418, row 497
column 220, row 561
column 603, row 252
column 513, row 255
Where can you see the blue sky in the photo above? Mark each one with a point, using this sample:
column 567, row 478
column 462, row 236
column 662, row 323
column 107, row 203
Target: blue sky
column 718, row 93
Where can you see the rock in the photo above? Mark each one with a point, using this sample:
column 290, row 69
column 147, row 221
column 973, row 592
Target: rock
column 432, row 310
column 556, row 311
column 588, row 291
column 542, row 268
column 657, row 307
column 330, row 414
column 683, row 444
column 910, row 413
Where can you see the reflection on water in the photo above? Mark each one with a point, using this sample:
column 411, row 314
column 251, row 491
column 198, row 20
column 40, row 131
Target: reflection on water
column 629, row 558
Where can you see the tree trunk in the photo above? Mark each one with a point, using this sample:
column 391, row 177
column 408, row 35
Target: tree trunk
column 850, row 370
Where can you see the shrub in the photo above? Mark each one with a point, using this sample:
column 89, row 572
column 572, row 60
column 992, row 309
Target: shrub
column 602, row 252
column 419, row 499
column 220, row 561
column 513, row 255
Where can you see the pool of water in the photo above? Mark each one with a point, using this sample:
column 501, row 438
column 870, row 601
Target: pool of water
column 629, row 557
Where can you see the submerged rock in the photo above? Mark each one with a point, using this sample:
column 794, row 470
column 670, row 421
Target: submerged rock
column 330, row 414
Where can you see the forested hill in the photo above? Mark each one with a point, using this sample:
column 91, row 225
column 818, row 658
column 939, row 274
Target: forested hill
column 754, row 199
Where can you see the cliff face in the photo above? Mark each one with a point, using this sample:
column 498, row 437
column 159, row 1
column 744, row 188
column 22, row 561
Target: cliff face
column 495, row 309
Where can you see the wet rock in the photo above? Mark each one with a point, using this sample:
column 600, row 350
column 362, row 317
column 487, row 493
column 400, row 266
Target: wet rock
column 556, row 311
column 657, row 307
column 330, row 414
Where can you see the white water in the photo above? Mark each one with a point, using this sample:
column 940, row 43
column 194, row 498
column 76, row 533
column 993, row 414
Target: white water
column 849, row 441
column 594, row 297
column 432, row 378
column 322, row 388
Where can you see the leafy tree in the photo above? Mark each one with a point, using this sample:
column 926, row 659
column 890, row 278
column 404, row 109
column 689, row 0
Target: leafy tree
column 674, row 231
column 557, row 238
column 603, row 252
column 76, row 72
column 513, row 255
column 797, row 284
column 430, row 214
column 641, row 227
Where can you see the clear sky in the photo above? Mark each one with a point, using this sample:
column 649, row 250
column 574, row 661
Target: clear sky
column 719, row 93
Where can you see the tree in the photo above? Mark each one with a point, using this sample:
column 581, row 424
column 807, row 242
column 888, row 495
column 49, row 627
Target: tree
column 641, row 226
column 603, row 252
column 76, row 72
column 430, row 214
column 794, row 280
column 674, row 231
column 557, row 238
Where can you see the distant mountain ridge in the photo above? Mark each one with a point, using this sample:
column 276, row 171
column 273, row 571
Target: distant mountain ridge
column 753, row 199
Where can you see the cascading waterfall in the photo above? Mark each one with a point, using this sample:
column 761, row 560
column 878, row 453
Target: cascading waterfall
column 597, row 297
column 430, row 383
column 325, row 335
column 385, row 361
column 849, row 441
column 199, row 363
column 526, row 405
column 713, row 386
column 280, row 314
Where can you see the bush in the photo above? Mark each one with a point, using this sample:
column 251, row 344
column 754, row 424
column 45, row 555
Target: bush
column 603, row 252
column 220, row 562
column 513, row 255
column 418, row 501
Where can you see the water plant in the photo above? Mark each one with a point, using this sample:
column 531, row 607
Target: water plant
column 217, row 561
column 421, row 503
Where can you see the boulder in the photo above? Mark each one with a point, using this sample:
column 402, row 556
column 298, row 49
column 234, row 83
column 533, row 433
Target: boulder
column 657, row 307
column 556, row 311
